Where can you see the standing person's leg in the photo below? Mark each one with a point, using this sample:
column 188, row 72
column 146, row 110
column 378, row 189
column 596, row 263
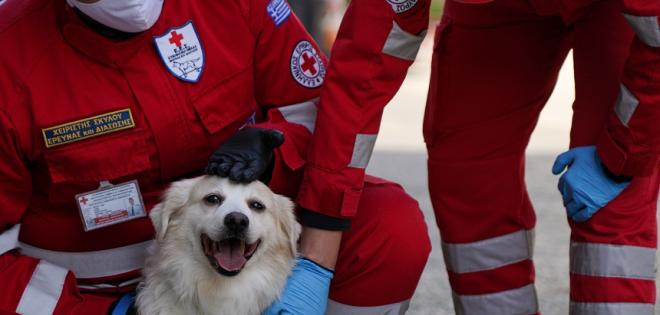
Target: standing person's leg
column 383, row 254
column 613, row 253
column 494, row 67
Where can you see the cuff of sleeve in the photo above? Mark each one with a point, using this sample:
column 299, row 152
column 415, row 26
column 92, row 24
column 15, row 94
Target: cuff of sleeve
column 321, row 221
column 619, row 162
column 332, row 193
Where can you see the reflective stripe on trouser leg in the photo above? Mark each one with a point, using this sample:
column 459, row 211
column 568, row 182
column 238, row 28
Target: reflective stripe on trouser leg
column 517, row 301
column 490, row 254
column 336, row 308
column 42, row 293
column 615, row 262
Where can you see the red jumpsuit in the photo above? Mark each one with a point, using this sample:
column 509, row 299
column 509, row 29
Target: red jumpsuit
column 249, row 58
column 494, row 67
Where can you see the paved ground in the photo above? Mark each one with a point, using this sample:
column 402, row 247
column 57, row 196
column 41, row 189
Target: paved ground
column 400, row 156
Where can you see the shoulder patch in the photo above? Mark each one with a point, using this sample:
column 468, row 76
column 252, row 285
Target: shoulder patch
column 307, row 67
column 182, row 52
column 279, row 11
column 400, row 6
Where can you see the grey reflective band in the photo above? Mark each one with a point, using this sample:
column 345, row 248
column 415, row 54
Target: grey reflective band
column 364, row 146
column 9, row 239
column 336, row 308
column 94, row 264
column 614, row 261
column 42, row 293
column 521, row 301
column 402, row 44
column 302, row 113
column 625, row 106
column 646, row 28
column 577, row 308
column 488, row 254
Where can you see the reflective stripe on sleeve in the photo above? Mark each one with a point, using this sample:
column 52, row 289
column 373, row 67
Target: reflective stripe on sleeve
column 9, row 239
column 402, row 44
column 578, row 308
column 517, row 301
column 616, row 261
column 646, row 28
column 95, row 264
column 362, row 150
column 302, row 113
column 490, row 253
column 43, row 291
column 336, row 308
column 626, row 104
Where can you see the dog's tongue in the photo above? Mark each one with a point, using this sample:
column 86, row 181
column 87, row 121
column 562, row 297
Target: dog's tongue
column 230, row 255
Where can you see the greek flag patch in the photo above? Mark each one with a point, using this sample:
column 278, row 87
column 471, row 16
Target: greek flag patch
column 279, row 11
column 88, row 128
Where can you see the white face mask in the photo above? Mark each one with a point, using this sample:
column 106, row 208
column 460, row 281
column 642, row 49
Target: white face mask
column 130, row 16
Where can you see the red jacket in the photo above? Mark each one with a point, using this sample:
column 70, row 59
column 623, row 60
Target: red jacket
column 377, row 42
column 250, row 56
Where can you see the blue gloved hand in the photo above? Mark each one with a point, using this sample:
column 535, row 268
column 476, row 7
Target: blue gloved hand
column 306, row 290
column 125, row 305
column 586, row 186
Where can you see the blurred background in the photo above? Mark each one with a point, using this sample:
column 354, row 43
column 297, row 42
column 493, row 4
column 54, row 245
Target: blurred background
column 400, row 156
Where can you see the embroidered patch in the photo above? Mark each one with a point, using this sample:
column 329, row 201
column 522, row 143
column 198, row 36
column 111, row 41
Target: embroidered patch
column 307, row 67
column 182, row 52
column 88, row 128
column 279, row 11
column 400, row 6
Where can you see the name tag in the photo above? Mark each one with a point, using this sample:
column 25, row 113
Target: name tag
column 110, row 204
column 88, row 128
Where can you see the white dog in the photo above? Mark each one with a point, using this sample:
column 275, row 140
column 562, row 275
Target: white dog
column 221, row 248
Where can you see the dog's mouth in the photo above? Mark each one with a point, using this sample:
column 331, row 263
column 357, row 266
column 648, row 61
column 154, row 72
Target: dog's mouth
column 228, row 256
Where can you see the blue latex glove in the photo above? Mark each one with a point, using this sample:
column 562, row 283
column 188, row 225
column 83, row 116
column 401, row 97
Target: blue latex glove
column 586, row 186
column 125, row 305
column 306, row 290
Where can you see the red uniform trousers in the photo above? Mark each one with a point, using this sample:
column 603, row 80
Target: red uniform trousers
column 494, row 68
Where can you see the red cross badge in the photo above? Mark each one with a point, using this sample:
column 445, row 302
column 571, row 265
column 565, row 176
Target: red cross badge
column 307, row 67
column 181, row 52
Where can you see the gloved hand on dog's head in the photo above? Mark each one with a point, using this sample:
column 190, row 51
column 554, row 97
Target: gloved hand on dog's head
column 246, row 156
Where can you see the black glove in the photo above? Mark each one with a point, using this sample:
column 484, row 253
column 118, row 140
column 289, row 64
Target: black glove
column 246, row 156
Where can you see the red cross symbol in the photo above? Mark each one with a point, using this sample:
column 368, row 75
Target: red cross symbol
column 175, row 39
column 83, row 200
column 308, row 63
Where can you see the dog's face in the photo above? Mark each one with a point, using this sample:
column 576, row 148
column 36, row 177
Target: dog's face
column 226, row 226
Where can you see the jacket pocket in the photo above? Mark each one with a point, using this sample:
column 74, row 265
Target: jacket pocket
column 225, row 107
column 80, row 168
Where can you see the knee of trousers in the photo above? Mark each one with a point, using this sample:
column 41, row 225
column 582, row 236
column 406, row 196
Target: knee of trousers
column 384, row 253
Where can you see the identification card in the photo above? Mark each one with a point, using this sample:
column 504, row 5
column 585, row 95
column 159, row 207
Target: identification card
column 110, row 204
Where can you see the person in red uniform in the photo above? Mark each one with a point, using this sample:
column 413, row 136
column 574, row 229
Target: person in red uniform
column 494, row 67
column 101, row 99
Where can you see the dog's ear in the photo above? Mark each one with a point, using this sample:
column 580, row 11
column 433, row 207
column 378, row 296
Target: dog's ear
column 288, row 222
column 174, row 199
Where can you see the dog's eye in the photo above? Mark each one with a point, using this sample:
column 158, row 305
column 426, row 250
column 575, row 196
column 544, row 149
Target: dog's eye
column 213, row 199
column 256, row 205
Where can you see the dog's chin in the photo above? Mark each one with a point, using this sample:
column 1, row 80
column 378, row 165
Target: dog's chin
column 228, row 256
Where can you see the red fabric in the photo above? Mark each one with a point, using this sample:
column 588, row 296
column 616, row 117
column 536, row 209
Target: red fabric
column 492, row 281
column 382, row 256
column 361, row 80
column 66, row 72
column 494, row 67
column 634, row 150
column 599, row 289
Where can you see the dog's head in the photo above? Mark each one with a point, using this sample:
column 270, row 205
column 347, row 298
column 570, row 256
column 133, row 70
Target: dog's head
column 226, row 225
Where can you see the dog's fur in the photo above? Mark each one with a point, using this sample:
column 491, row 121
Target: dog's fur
column 179, row 278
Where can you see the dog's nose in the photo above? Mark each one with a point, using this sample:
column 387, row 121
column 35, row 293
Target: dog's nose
column 236, row 222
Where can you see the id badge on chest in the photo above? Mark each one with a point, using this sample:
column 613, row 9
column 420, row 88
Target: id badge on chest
column 110, row 204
